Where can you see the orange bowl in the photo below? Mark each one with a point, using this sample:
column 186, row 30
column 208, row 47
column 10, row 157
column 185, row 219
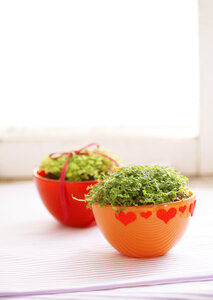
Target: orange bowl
column 145, row 231
column 78, row 215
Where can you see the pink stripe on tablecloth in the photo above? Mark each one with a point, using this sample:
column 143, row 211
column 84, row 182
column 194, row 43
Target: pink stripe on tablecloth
column 109, row 286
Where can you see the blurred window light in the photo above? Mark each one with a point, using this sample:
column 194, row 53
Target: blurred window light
column 98, row 63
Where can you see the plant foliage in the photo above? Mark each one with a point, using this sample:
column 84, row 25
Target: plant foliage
column 139, row 185
column 80, row 167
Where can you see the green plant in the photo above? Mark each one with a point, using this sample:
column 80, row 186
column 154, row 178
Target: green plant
column 92, row 166
column 139, row 185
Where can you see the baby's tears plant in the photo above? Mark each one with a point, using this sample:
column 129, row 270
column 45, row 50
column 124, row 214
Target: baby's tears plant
column 139, row 185
column 80, row 167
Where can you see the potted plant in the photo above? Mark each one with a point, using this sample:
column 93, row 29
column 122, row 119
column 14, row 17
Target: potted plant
column 142, row 210
column 62, row 177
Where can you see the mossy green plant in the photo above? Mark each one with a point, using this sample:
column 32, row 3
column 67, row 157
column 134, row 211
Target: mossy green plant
column 80, row 167
column 139, row 185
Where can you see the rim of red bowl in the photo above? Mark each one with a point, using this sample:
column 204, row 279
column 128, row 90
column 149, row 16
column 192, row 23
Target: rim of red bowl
column 35, row 174
column 152, row 205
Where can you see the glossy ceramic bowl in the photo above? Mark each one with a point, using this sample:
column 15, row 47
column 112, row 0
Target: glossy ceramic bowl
column 146, row 231
column 78, row 215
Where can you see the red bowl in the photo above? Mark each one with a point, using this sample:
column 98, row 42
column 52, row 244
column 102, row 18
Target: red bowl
column 49, row 190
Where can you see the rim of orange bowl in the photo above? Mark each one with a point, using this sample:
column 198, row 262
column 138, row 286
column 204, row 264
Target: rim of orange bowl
column 153, row 205
column 35, row 174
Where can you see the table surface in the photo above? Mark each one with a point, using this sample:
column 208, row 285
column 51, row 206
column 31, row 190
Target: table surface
column 41, row 259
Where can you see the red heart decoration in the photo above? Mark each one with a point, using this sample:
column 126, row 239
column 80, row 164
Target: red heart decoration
column 126, row 218
column 41, row 173
column 182, row 208
column 146, row 214
column 192, row 208
column 166, row 216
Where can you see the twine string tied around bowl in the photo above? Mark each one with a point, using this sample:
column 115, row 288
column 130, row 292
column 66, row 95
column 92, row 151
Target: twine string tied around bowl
column 55, row 156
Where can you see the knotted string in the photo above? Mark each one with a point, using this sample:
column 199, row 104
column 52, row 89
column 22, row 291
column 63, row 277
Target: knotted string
column 63, row 171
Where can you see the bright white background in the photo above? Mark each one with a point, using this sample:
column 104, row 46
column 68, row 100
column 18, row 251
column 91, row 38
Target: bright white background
column 90, row 63
column 123, row 73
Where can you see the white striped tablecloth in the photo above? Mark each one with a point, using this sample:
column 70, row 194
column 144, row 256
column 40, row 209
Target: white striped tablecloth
column 40, row 258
